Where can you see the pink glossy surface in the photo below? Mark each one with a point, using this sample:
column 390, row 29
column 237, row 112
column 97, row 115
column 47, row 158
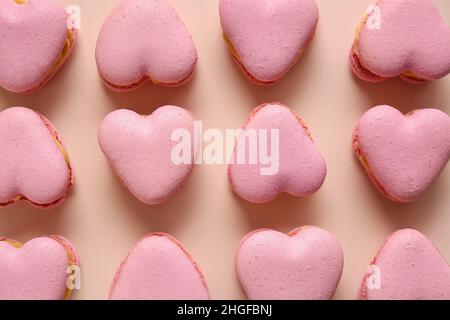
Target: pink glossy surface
column 145, row 38
column 140, row 149
column 36, row 271
column 32, row 37
column 31, row 164
column 268, row 35
column 299, row 170
column 413, row 37
column 405, row 154
column 205, row 215
column 304, row 265
column 159, row 268
column 410, row 268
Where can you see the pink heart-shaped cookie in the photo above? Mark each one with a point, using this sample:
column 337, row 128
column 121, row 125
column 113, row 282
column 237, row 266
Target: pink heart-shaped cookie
column 406, row 38
column 42, row 269
column 140, row 150
column 403, row 155
column 267, row 37
column 34, row 165
column 285, row 158
column 306, row 264
column 407, row 267
column 34, row 43
column 144, row 40
column 159, row 268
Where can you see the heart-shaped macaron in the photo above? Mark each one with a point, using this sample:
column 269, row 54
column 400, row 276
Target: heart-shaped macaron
column 406, row 38
column 267, row 37
column 275, row 154
column 143, row 150
column 403, row 155
column 407, row 267
column 34, row 43
column 144, row 40
column 159, row 268
column 34, row 164
column 306, row 264
column 42, row 269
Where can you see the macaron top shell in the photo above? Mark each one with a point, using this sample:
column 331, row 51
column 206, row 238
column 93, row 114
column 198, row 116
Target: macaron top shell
column 140, row 148
column 32, row 37
column 412, row 38
column 268, row 35
column 411, row 268
column 142, row 40
column 159, row 268
column 301, row 167
column 32, row 163
column 404, row 154
column 35, row 271
column 306, row 264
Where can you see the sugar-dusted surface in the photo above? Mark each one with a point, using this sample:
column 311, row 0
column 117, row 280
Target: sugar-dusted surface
column 104, row 221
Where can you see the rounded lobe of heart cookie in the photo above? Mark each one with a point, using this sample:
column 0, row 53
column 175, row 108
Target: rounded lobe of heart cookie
column 35, row 271
column 268, row 36
column 300, row 169
column 144, row 40
column 33, row 164
column 32, row 37
column 159, row 268
column 411, row 268
column 306, row 264
column 412, row 38
column 404, row 155
column 140, row 150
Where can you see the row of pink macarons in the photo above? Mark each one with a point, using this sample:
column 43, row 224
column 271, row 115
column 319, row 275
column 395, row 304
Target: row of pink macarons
column 145, row 40
column 402, row 154
column 305, row 264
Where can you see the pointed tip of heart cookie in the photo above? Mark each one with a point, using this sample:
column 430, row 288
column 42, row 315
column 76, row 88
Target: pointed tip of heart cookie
column 169, row 261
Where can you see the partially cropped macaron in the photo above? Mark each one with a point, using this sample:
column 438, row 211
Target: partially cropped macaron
column 147, row 152
column 35, row 41
column 305, row 264
column 159, row 268
column 267, row 37
column 406, row 38
column 407, row 267
column 403, row 154
column 34, row 164
column 142, row 41
column 275, row 154
column 45, row 268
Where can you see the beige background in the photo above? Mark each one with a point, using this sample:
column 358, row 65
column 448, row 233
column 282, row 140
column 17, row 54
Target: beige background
column 104, row 221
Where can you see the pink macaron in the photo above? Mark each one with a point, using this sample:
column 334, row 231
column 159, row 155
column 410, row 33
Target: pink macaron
column 45, row 268
column 35, row 41
column 141, row 149
column 159, row 268
column 305, row 264
column 406, row 38
column 407, row 267
column 141, row 41
column 403, row 154
column 281, row 157
column 266, row 37
column 34, row 165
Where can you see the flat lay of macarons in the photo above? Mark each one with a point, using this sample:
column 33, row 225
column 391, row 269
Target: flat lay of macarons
column 359, row 96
